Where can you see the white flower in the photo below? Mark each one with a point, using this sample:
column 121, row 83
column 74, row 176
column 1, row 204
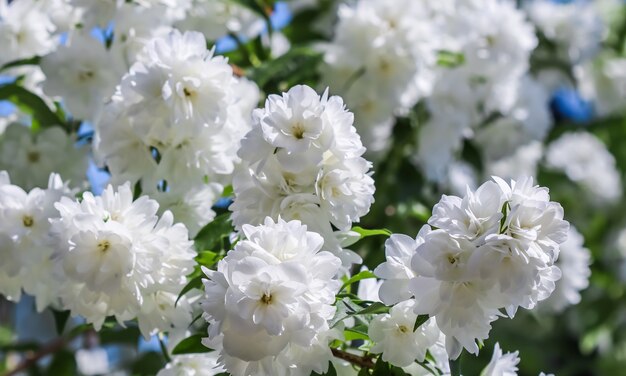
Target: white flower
column 501, row 364
column 26, row 243
column 116, row 252
column 493, row 249
column 395, row 338
column 270, row 299
column 83, row 73
column 30, row 159
column 396, row 271
column 217, row 18
column 575, row 26
column 586, row 160
column 603, row 81
column 302, row 160
column 192, row 365
column 25, row 30
column 523, row 162
column 381, row 61
column 574, row 260
column 178, row 116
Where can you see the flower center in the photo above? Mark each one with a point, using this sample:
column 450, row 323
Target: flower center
column 104, row 246
column 298, row 131
column 85, row 75
column 33, row 156
column 403, row 329
column 266, row 299
column 27, row 221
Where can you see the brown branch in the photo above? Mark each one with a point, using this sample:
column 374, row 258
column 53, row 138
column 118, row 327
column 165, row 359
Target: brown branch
column 237, row 70
column 32, row 358
column 361, row 361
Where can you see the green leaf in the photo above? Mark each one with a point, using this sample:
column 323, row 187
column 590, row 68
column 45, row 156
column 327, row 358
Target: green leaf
column 331, row 371
column 450, row 59
column 228, row 191
column 6, row 335
column 60, row 319
column 366, row 233
column 421, row 319
column 211, row 235
column 129, row 335
column 63, row 363
column 352, row 334
column 382, row 368
column 32, row 105
column 18, row 63
column 191, row 345
column 365, row 274
column 149, row 363
column 347, row 308
column 293, row 67
column 455, row 366
column 374, row 309
column 207, row 258
column 194, row 283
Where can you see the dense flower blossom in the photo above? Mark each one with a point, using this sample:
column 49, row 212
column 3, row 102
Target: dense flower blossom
column 574, row 260
column 270, row 299
column 492, row 249
column 381, row 61
column 178, row 116
column 31, row 158
column 502, row 364
column 83, row 73
column 574, row 26
column 116, row 254
column 302, row 160
column 192, row 365
column 603, row 81
column 25, row 30
column 395, row 338
column 25, row 242
column 586, row 160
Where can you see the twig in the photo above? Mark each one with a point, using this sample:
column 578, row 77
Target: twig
column 237, row 70
column 33, row 358
column 352, row 358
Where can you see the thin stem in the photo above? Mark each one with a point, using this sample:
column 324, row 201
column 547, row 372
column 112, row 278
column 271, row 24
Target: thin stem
column 56, row 345
column 31, row 359
column 361, row 361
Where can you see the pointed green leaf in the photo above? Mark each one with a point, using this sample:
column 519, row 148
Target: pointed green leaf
column 365, row 274
column 365, row 232
column 191, row 345
column 421, row 319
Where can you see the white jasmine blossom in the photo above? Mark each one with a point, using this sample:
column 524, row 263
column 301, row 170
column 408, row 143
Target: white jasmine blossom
column 270, row 300
column 116, row 253
column 302, row 160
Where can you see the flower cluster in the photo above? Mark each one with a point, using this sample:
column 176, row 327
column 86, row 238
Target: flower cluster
column 302, row 160
column 25, row 242
column 118, row 258
column 31, row 158
column 493, row 249
column 482, row 77
column 381, row 61
column 178, row 116
column 586, row 160
column 269, row 302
